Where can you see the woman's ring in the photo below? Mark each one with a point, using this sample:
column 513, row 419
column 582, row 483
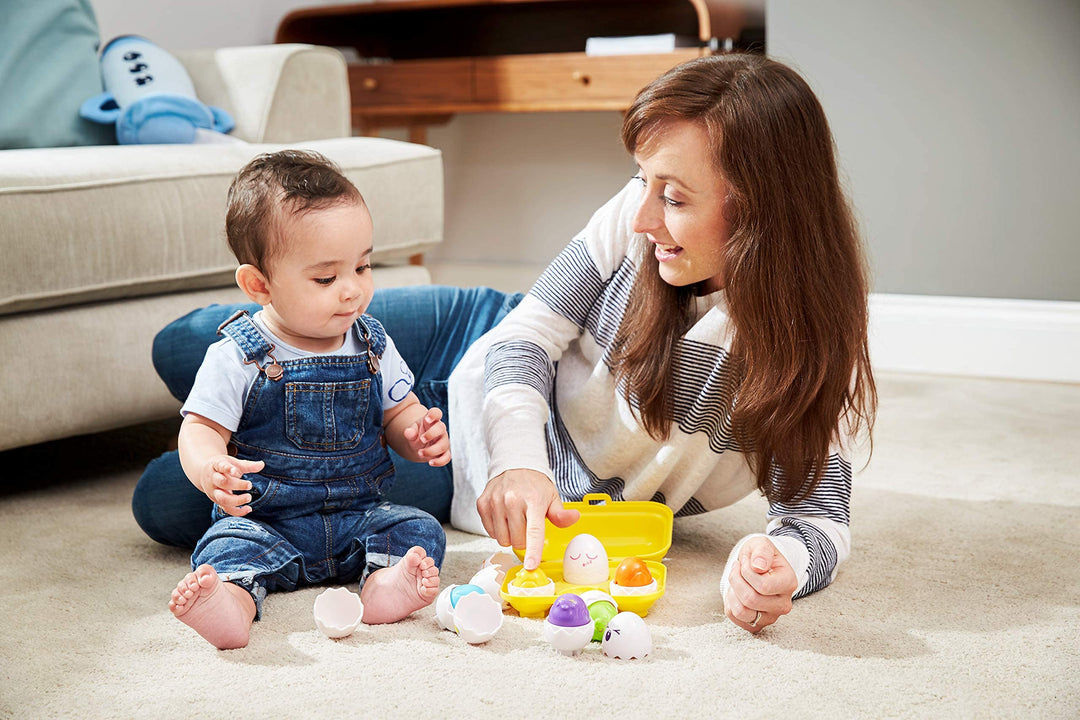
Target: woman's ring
column 756, row 618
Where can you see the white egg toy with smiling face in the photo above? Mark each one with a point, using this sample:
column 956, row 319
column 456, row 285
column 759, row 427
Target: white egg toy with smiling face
column 585, row 561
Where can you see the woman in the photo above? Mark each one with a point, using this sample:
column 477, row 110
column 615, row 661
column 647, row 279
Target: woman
column 703, row 337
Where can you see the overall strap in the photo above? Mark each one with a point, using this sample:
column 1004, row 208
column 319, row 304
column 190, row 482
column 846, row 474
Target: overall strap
column 254, row 346
column 371, row 333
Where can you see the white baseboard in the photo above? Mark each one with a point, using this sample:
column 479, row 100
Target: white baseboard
column 982, row 337
column 988, row 337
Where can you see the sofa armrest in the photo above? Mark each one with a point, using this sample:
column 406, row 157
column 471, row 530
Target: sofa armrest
column 276, row 93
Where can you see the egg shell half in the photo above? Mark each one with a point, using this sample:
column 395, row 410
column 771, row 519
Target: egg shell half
column 338, row 612
column 477, row 617
column 568, row 640
column 490, row 578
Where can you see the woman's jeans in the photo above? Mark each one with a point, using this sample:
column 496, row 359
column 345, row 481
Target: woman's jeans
column 431, row 326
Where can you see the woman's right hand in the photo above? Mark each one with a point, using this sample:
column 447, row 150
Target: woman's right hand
column 221, row 475
column 513, row 507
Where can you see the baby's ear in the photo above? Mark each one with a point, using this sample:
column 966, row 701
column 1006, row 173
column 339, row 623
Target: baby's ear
column 253, row 283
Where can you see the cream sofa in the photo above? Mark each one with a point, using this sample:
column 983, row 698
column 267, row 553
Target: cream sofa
column 100, row 247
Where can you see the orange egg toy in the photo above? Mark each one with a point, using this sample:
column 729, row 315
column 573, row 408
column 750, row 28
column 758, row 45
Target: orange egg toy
column 633, row 577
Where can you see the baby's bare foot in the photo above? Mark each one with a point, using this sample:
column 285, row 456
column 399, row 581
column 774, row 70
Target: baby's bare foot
column 221, row 612
column 389, row 594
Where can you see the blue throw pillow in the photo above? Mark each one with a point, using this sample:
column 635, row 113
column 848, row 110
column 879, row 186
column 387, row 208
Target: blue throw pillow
column 48, row 66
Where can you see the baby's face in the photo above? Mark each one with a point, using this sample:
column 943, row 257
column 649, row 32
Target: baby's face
column 322, row 282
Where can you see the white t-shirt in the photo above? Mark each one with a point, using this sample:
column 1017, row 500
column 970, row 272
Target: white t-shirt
column 224, row 379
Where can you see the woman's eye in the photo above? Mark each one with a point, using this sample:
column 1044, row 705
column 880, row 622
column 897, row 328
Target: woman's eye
column 670, row 202
column 324, row 281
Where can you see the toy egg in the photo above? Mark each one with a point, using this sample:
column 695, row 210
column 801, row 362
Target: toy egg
column 627, row 637
column 338, row 612
column 490, row 578
column 444, row 611
column 448, row 600
column 531, row 583
column 602, row 607
column 568, row 627
column 585, row 561
column 477, row 617
column 632, row 577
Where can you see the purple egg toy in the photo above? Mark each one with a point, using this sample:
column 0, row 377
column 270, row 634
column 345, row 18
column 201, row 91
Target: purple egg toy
column 569, row 610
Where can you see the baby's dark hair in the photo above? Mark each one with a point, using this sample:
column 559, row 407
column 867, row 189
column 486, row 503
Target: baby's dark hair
column 271, row 185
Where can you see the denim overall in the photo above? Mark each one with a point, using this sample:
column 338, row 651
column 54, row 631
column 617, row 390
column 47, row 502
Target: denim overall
column 317, row 513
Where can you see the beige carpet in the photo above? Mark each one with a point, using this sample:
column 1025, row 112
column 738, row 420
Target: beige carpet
column 961, row 599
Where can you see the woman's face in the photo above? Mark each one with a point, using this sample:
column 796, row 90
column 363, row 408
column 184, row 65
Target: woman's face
column 682, row 205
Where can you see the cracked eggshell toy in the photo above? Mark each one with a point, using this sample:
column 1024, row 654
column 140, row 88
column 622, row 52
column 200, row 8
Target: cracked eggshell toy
column 585, row 561
column 448, row 598
column 627, row 637
column 477, row 617
column 632, row 577
column 568, row 627
column 490, row 580
column 504, row 560
column 338, row 612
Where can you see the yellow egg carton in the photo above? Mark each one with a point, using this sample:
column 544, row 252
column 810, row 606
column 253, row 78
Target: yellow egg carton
column 629, row 528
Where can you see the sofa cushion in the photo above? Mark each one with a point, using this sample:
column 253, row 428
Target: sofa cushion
column 90, row 224
column 48, row 66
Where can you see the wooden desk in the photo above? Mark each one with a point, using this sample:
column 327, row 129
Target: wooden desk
column 419, row 62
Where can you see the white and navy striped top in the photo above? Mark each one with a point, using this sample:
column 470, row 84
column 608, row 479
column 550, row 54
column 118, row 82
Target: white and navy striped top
column 537, row 392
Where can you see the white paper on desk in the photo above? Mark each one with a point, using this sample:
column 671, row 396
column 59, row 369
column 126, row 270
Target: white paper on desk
column 638, row 44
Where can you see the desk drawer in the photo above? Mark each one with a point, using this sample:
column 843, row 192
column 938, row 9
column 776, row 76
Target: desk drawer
column 565, row 79
column 420, row 83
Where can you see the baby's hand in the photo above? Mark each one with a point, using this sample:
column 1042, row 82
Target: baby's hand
column 221, row 475
column 428, row 438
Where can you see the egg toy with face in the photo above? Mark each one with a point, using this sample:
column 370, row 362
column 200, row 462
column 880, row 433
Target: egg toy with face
column 627, row 637
column 602, row 607
column 531, row 583
column 585, row 561
column 338, row 612
column 633, row 577
column 568, row 627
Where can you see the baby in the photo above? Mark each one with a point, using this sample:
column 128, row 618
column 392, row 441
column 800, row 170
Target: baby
column 287, row 425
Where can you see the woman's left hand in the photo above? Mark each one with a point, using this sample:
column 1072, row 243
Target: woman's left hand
column 760, row 585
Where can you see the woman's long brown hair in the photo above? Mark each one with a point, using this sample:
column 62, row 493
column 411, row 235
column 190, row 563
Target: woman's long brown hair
column 796, row 279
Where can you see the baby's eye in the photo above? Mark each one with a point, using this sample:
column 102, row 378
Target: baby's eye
column 324, row 281
column 362, row 268
column 639, row 179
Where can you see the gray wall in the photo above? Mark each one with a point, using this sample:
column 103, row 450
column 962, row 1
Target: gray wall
column 958, row 125
column 958, row 122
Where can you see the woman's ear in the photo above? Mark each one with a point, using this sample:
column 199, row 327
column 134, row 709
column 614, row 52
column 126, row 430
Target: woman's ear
column 253, row 283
